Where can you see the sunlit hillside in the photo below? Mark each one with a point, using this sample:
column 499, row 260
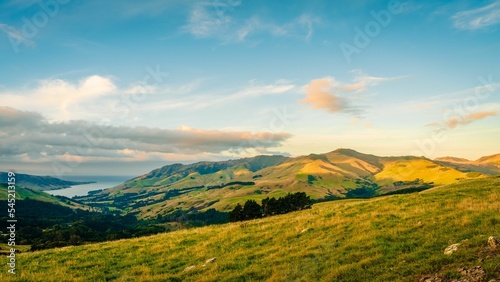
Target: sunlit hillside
column 221, row 185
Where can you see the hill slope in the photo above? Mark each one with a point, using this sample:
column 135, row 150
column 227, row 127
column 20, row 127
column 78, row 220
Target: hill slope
column 34, row 194
column 220, row 185
column 392, row 238
column 42, row 183
column 486, row 164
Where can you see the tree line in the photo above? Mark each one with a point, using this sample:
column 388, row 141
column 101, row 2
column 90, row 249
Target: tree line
column 270, row 206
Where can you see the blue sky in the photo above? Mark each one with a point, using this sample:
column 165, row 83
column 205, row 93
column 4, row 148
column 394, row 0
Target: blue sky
column 122, row 87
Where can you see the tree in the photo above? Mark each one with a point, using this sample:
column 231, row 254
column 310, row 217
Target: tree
column 273, row 206
column 236, row 213
column 265, row 207
column 251, row 210
column 299, row 201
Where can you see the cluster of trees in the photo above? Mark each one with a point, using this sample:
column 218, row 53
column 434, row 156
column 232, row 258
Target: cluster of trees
column 270, row 206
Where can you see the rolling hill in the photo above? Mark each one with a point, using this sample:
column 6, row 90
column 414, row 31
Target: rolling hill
column 390, row 238
column 220, row 185
column 42, row 183
column 487, row 164
column 37, row 195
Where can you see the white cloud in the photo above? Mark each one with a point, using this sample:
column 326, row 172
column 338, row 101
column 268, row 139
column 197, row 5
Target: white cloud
column 479, row 18
column 62, row 99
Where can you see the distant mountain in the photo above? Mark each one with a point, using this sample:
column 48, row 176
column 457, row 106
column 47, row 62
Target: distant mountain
column 487, row 164
column 490, row 160
column 42, row 183
column 338, row 174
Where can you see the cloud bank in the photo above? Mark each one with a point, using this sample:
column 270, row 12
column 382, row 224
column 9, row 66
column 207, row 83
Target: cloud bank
column 31, row 135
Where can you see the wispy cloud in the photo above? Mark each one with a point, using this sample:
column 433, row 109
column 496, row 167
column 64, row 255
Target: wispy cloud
column 478, row 18
column 301, row 28
column 279, row 87
column 453, row 122
column 215, row 20
column 209, row 19
column 32, row 135
column 432, row 124
column 16, row 37
column 362, row 81
column 210, row 98
column 453, row 99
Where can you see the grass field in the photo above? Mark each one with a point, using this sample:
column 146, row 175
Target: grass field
column 392, row 238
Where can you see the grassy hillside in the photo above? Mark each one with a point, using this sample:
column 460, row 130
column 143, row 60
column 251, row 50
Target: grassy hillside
column 221, row 185
column 428, row 171
column 34, row 194
column 23, row 193
column 42, row 183
column 391, row 238
column 486, row 164
column 492, row 160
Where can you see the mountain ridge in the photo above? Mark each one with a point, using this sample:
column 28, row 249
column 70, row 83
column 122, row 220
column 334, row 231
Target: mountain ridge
column 337, row 174
column 486, row 164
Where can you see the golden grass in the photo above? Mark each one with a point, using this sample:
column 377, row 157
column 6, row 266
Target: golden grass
column 409, row 170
